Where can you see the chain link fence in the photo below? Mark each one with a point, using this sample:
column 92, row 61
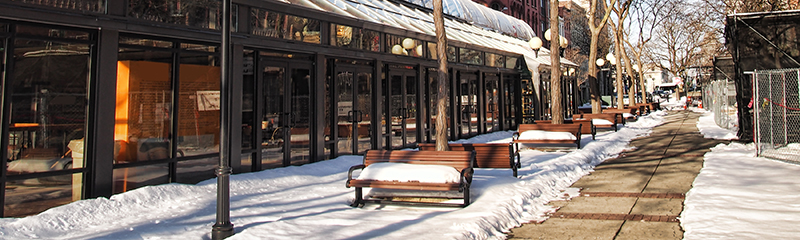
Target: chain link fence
column 777, row 113
column 720, row 98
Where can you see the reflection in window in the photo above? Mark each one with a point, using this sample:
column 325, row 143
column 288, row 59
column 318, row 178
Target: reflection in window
column 195, row 13
column 279, row 25
column 495, row 60
column 470, row 56
column 126, row 179
column 404, row 46
column 198, row 113
column 452, row 54
column 48, row 103
column 356, row 38
column 511, row 62
column 144, row 97
column 80, row 5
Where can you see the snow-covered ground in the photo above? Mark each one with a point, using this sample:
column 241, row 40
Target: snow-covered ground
column 735, row 196
column 740, row 196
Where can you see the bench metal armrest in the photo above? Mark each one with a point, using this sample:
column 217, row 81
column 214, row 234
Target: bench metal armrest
column 350, row 173
column 515, row 136
column 466, row 178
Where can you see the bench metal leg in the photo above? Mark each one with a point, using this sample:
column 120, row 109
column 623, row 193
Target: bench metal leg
column 466, row 197
column 358, row 202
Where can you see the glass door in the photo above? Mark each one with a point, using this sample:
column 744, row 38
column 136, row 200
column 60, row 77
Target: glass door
column 354, row 109
column 402, row 108
column 286, row 113
column 492, row 108
column 468, row 107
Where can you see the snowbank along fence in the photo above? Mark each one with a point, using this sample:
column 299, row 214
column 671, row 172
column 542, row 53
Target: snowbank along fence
column 776, row 107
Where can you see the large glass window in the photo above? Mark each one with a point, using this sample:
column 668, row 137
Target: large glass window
column 279, row 25
column 48, row 112
column 495, row 60
column 195, row 13
column 81, row 5
column 451, row 52
column 353, row 37
column 470, row 56
column 511, row 62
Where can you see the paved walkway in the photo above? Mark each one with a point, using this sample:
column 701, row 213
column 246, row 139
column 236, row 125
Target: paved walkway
column 638, row 195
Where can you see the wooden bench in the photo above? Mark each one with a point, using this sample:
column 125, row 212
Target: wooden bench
column 574, row 129
column 622, row 112
column 584, row 130
column 487, row 155
column 462, row 161
column 614, row 118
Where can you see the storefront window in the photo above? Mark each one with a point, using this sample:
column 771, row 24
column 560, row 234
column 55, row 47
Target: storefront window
column 511, row 62
column 279, row 25
column 144, row 104
column 495, row 60
column 353, row 37
column 451, row 52
column 195, row 13
column 198, row 113
column 48, row 111
column 80, row 5
column 470, row 56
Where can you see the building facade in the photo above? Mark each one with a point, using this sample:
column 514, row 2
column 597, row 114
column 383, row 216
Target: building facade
column 101, row 97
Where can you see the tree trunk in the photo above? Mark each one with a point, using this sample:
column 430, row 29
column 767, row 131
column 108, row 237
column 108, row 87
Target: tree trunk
column 441, row 53
column 594, row 87
column 556, row 109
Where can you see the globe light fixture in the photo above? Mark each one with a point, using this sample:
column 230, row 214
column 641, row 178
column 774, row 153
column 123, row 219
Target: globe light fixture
column 535, row 43
column 547, row 35
column 397, row 49
column 419, row 50
column 611, row 59
column 408, row 43
column 563, row 41
column 600, row 62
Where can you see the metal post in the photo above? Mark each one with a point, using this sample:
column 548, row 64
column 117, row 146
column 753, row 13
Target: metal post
column 223, row 228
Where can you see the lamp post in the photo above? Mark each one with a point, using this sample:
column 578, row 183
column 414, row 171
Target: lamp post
column 613, row 61
column 223, row 227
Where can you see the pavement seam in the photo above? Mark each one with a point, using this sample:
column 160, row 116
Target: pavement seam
column 634, row 194
column 618, row 216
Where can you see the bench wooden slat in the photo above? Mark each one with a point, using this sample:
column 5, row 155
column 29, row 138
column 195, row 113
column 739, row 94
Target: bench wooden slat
column 487, row 155
column 614, row 118
column 575, row 129
column 460, row 160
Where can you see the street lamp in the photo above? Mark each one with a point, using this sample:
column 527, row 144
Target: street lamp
column 223, row 227
column 535, row 43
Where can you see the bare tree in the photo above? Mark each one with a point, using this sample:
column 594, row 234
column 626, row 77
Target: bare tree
column 621, row 11
column 679, row 39
column 441, row 51
column 556, row 110
column 595, row 26
column 645, row 19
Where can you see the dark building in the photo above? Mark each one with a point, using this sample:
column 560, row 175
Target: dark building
column 100, row 97
column 534, row 12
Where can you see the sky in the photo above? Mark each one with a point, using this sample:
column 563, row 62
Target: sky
column 736, row 196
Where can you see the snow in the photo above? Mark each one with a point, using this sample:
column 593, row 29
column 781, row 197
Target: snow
column 404, row 172
column 545, row 135
column 740, row 196
column 735, row 196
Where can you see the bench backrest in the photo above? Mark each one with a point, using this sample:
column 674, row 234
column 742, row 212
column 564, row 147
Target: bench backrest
column 487, row 155
column 570, row 128
column 456, row 159
column 586, row 129
column 611, row 117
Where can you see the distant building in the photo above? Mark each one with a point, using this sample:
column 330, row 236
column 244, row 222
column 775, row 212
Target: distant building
column 533, row 12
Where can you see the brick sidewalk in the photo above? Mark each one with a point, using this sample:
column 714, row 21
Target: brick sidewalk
column 638, row 195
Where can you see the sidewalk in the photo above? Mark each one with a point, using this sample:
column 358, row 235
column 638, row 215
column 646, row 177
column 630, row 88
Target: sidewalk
column 638, row 195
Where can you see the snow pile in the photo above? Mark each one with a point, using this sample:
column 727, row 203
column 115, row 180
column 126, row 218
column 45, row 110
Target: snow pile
column 311, row 202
